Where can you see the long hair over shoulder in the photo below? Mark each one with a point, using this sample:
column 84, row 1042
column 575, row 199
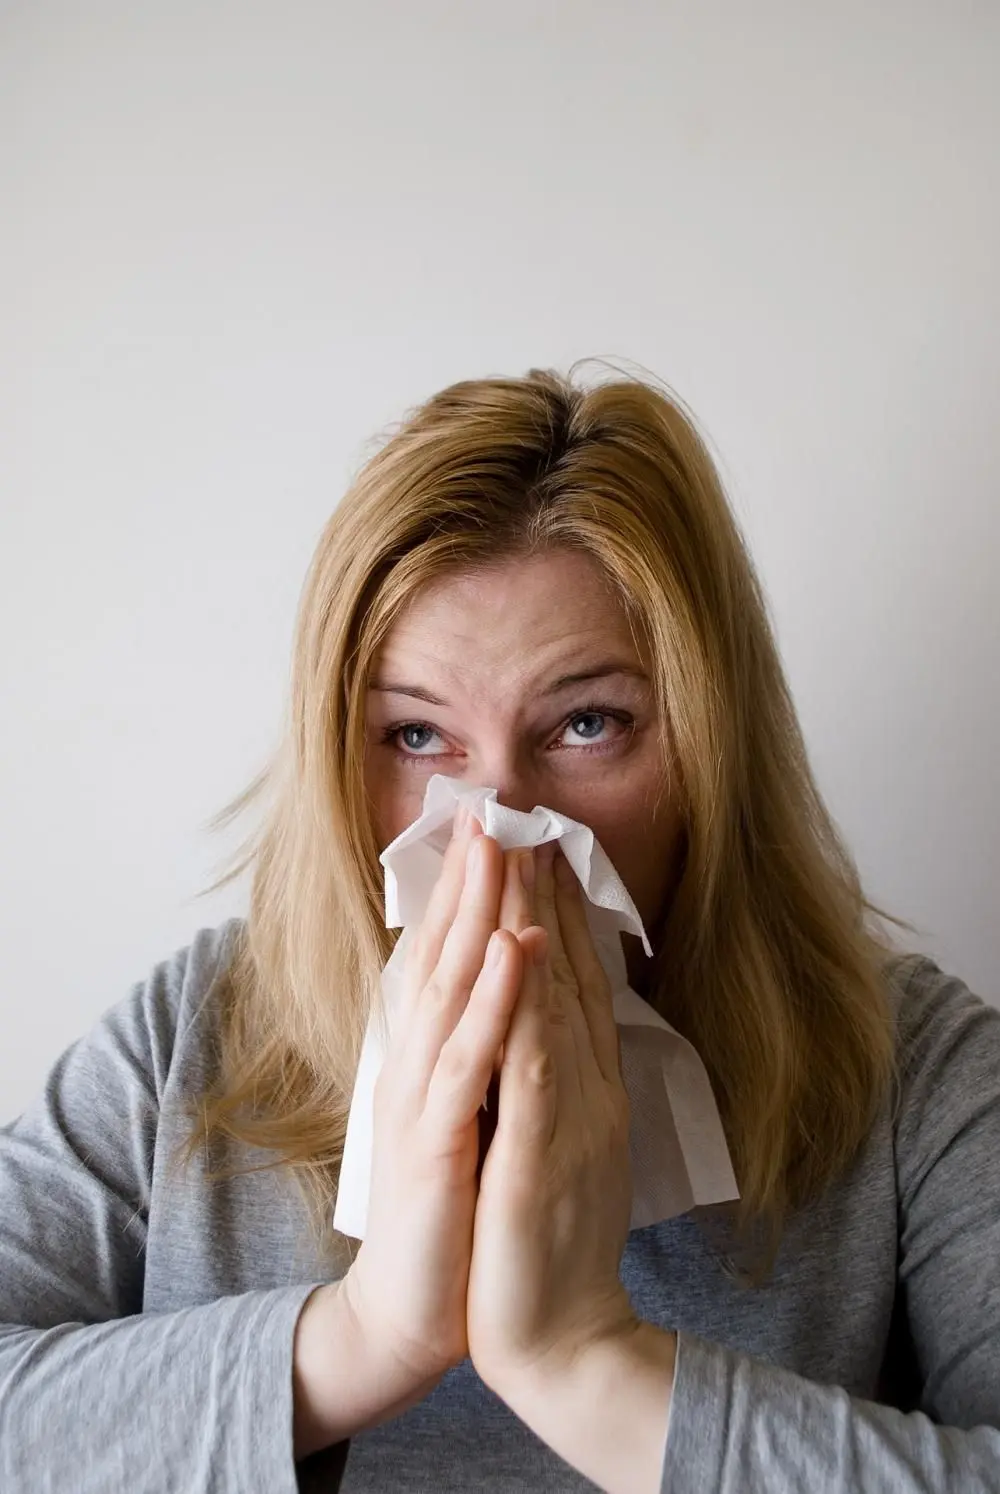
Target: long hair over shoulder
column 771, row 960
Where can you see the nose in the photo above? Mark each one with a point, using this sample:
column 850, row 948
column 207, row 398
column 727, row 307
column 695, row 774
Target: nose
column 520, row 797
column 516, row 786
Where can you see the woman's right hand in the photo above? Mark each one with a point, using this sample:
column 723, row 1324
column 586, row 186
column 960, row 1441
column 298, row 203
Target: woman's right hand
column 406, row 1290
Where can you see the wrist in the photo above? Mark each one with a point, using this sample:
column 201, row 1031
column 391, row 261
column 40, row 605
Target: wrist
column 604, row 1409
column 341, row 1385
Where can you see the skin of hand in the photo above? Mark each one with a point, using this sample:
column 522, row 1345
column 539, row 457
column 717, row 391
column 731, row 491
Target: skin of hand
column 555, row 1192
column 550, row 1326
column 517, row 1266
column 403, row 1301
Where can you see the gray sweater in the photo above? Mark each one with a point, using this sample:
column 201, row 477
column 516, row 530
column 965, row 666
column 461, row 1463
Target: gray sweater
column 148, row 1315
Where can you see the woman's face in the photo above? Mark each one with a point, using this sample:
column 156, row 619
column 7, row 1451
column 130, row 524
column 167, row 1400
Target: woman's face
column 525, row 678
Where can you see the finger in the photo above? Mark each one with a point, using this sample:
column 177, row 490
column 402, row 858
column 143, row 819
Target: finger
column 593, row 986
column 528, row 1077
column 439, row 1005
column 465, row 1064
column 517, row 898
column 567, row 1041
column 560, row 970
column 571, row 1043
column 425, row 949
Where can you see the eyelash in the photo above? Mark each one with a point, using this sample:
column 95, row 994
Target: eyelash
column 622, row 717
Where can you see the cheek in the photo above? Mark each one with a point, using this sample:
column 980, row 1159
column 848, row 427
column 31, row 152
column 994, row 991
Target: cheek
column 643, row 851
column 395, row 802
column 629, row 854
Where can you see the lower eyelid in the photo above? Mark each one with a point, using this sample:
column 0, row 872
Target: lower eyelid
column 626, row 729
column 392, row 734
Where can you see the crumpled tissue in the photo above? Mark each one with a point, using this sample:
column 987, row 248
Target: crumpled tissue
column 678, row 1152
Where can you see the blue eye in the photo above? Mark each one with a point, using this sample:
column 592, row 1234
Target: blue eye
column 595, row 722
column 596, row 729
column 414, row 737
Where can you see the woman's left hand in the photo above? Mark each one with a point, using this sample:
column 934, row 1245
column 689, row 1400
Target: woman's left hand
column 555, row 1192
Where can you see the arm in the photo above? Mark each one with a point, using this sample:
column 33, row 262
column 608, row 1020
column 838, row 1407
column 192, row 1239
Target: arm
column 606, row 1410
column 340, row 1387
column 551, row 1329
column 94, row 1394
column 231, row 1393
column 744, row 1427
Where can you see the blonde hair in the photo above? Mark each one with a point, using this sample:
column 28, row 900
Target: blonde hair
column 769, row 960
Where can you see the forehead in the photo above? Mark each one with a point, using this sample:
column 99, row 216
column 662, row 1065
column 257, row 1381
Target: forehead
column 521, row 615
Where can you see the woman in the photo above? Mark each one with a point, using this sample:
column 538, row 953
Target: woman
column 536, row 587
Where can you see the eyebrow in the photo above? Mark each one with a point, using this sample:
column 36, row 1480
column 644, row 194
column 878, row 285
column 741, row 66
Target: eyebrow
column 598, row 672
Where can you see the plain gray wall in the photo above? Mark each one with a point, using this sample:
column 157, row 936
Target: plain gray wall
column 238, row 239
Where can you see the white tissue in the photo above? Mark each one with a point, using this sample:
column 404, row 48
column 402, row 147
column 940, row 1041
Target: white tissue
column 679, row 1156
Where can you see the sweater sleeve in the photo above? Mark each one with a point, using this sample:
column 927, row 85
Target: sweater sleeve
column 94, row 1394
column 737, row 1424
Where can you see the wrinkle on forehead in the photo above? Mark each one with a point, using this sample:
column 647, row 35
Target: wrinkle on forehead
column 513, row 627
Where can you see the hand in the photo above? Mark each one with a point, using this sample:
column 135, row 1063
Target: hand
column 407, row 1287
column 555, row 1191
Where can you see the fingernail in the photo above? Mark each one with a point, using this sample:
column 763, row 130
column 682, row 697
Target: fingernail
column 526, row 866
column 494, row 953
column 460, row 821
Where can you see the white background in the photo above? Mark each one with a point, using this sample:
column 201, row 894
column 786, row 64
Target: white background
column 236, row 240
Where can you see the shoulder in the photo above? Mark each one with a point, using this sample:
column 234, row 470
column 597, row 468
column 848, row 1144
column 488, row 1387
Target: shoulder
column 179, row 989
column 947, row 1063
column 176, row 1005
column 84, row 1148
column 157, row 1034
column 935, row 1011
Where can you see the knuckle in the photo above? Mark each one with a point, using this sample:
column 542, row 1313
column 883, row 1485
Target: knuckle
column 454, row 978
column 540, row 1070
column 438, row 996
column 452, row 1065
column 620, row 1110
column 562, row 971
column 558, row 1014
column 598, row 985
column 544, row 898
column 416, row 954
